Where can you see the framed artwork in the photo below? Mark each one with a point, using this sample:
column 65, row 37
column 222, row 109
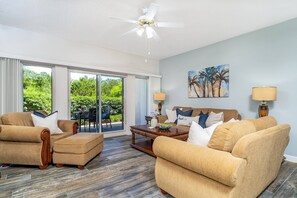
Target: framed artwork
column 210, row 82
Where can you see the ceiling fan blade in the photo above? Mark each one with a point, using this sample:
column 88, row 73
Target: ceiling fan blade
column 130, row 31
column 124, row 20
column 170, row 25
column 155, row 35
column 152, row 11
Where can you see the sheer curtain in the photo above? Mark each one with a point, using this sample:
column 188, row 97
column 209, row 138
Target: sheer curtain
column 11, row 85
column 141, row 101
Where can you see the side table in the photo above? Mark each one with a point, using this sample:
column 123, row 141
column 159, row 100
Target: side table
column 148, row 119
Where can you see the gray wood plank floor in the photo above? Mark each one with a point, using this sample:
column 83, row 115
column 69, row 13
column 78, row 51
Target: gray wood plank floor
column 120, row 171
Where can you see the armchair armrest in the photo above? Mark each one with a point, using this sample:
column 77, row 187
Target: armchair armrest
column 161, row 118
column 68, row 125
column 22, row 133
column 217, row 165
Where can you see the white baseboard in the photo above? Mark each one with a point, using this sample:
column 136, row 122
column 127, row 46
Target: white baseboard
column 291, row 158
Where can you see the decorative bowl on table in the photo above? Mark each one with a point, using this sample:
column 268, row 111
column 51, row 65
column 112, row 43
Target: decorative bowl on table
column 164, row 126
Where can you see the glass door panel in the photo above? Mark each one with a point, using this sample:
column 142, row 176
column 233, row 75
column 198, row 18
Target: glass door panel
column 83, row 97
column 112, row 110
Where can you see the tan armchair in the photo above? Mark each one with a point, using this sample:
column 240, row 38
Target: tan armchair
column 187, row 170
column 22, row 143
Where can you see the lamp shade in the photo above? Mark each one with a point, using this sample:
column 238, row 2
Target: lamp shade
column 159, row 96
column 264, row 93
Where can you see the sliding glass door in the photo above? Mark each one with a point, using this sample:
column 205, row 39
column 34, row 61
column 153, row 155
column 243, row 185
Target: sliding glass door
column 96, row 102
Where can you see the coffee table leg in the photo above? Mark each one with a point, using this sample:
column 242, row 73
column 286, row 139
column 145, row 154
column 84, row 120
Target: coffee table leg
column 133, row 137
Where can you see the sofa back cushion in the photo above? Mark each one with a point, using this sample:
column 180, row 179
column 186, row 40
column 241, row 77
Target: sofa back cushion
column 17, row 119
column 226, row 135
column 263, row 122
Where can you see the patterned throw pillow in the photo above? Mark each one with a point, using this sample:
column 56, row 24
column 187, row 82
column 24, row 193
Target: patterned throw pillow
column 185, row 120
column 202, row 119
column 183, row 113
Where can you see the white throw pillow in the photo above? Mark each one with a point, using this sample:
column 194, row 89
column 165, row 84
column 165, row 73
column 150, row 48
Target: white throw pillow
column 51, row 122
column 186, row 120
column 200, row 136
column 197, row 135
column 214, row 118
column 211, row 129
column 233, row 120
column 171, row 115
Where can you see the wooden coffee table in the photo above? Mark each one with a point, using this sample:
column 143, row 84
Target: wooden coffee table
column 153, row 133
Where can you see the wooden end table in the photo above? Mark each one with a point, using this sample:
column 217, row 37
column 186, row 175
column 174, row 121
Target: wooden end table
column 148, row 119
column 153, row 133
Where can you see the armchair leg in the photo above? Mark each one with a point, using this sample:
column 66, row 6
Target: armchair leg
column 43, row 167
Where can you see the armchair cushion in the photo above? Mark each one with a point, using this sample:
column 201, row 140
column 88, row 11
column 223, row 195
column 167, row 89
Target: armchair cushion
column 21, row 133
column 226, row 135
column 202, row 160
column 17, row 119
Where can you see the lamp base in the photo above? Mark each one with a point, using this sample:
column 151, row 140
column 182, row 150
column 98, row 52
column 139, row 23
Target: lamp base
column 160, row 107
column 263, row 110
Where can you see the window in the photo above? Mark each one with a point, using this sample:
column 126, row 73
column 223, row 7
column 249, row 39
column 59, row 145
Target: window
column 37, row 84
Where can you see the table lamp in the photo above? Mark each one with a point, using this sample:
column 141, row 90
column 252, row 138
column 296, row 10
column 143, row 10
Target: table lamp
column 160, row 97
column 264, row 94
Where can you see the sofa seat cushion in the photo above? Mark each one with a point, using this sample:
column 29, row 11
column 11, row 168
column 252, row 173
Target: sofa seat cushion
column 226, row 135
column 79, row 143
column 17, row 119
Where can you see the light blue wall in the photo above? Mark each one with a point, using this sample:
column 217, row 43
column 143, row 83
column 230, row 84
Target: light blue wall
column 264, row 57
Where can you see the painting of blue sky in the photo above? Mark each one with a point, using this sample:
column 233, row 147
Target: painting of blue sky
column 210, row 82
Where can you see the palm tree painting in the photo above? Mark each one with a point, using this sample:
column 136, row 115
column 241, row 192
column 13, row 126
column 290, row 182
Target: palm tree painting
column 210, row 82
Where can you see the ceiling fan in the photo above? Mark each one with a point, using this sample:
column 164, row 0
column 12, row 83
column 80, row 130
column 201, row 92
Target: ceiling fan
column 146, row 22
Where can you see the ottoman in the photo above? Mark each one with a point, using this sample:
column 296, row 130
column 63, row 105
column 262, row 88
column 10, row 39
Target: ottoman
column 77, row 149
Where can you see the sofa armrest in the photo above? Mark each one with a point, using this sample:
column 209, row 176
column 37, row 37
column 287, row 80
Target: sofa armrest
column 68, row 125
column 217, row 165
column 22, row 133
column 161, row 118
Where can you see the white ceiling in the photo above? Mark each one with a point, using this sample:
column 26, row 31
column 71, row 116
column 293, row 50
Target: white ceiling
column 205, row 21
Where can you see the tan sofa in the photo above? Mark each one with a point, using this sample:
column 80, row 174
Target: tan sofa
column 256, row 152
column 22, row 143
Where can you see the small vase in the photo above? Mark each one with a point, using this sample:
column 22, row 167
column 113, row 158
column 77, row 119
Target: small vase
column 154, row 122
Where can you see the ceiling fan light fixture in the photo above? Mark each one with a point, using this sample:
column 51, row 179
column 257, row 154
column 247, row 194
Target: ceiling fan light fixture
column 149, row 32
column 140, row 31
